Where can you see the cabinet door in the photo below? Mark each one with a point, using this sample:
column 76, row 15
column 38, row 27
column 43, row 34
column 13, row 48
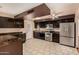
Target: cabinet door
column 6, row 22
column 39, row 35
column 36, row 34
column 42, row 36
column 19, row 23
column 55, row 37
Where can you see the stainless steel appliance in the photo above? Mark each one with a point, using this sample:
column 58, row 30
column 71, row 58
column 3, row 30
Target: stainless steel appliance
column 48, row 36
column 49, row 27
column 67, row 34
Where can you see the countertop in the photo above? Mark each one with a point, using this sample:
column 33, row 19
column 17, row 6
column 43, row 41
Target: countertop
column 45, row 30
column 6, row 37
column 14, row 35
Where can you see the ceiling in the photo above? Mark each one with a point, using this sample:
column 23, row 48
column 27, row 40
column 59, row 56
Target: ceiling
column 59, row 7
column 16, row 8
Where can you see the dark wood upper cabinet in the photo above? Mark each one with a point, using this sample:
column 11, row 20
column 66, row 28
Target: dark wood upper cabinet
column 55, row 22
column 19, row 23
column 6, row 22
column 41, row 10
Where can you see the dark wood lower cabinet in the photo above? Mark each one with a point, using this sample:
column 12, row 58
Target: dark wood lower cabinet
column 39, row 35
column 11, row 48
column 55, row 37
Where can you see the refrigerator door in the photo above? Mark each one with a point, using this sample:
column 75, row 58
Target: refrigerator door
column 67, row 29
column 67, row 41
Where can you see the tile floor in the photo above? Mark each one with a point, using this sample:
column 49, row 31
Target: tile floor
column 42, row 47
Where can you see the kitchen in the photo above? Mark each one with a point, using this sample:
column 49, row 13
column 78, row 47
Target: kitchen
column 41, row 30
column 58, row 27
column 52, row 30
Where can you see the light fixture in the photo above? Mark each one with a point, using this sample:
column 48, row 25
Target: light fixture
column 54, row 15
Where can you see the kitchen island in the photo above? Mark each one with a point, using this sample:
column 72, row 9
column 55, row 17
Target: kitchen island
column 11, row 43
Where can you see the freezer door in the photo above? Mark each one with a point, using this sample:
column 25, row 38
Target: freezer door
column 67, row 29
column 67, row 41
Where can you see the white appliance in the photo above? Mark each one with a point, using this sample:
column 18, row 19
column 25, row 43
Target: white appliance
column 48, row 36
column 67, row 34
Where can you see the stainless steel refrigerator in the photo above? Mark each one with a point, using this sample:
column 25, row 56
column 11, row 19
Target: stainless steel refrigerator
column 67, row 34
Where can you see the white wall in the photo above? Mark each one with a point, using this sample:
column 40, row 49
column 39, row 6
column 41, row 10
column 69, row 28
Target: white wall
column 77, row 27
column 28, row 26
column 64, row 12
column 6, row 15
column 62, row 8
